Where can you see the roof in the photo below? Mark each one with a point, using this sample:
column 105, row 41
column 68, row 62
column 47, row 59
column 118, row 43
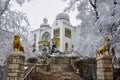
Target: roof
column 62, row 16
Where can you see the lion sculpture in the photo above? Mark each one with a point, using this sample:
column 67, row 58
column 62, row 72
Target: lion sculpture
column 17, row 44
column 102, row 50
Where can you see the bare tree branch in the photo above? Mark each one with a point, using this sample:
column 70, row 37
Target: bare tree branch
column 6, row 6
column 93, row 5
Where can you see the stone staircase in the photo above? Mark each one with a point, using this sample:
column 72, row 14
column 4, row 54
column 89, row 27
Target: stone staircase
column 41, row 74
column 30, row 69
column 36, row 76
column 51, row 71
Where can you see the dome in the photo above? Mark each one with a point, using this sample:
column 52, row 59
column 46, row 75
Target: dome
column 62, row 16
column 45, row 23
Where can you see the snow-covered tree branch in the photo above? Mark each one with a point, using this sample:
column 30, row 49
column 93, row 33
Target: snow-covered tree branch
column 4, row 7
column 99, row 18
column 12, row 22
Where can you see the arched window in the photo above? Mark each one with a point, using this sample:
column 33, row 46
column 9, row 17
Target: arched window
column 72, row 46
column 66, row 46
column 46, row 36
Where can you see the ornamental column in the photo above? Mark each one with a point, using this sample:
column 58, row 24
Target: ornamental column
column 104, row 67
column 16, row 66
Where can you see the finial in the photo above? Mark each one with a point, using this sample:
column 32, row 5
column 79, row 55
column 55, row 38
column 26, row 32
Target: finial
column 45, row 20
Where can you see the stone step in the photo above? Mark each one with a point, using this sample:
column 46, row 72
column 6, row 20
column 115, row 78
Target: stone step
column 66, row 78
column 36, row 77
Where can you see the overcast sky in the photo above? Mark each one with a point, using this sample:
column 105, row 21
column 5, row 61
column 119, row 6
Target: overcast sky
column 36, row 10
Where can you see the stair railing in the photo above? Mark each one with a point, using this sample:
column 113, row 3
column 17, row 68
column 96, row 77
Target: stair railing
column 28, row 71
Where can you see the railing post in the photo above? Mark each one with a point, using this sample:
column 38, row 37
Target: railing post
column 16, row 66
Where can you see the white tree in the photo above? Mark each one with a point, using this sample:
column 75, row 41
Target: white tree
column 99, row 18
column 12, row 22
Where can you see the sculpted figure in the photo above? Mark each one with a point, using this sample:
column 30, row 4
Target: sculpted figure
column 17, row 44
column 106, row 47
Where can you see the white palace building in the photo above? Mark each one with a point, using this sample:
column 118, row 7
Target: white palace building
column 61, row 33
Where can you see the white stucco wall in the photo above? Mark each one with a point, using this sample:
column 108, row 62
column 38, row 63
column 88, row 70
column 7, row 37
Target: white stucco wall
column 61, row 24
column 37, row 32
column 63, row 39
column 44, row 31
column 70, row 41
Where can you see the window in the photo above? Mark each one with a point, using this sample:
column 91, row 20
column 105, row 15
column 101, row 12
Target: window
column 57, row 32
column 34, row 43
column 67, row 32
column 46, row 37
column 66, row 46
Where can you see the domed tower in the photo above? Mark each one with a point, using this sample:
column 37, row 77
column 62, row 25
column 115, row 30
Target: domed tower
column 45, row 34
column 62, row 32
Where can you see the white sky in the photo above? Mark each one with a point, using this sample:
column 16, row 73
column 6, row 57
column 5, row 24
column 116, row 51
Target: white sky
column 36, row 10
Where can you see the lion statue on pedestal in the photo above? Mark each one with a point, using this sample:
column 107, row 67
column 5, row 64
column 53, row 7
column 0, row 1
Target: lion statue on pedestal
column 106, row 47
column 17, row 44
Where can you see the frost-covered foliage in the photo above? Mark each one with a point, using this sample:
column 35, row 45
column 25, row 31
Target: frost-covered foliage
column 99, row 18
column 12, row 22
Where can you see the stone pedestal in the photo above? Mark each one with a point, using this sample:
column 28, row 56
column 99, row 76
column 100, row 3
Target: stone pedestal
column 16, row 66
column 104, row 68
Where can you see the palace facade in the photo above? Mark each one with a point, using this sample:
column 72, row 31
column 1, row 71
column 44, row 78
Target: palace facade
column 61, row 33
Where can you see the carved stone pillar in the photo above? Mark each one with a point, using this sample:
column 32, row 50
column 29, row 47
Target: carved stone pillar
column 16, row 66
column 104, row 68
